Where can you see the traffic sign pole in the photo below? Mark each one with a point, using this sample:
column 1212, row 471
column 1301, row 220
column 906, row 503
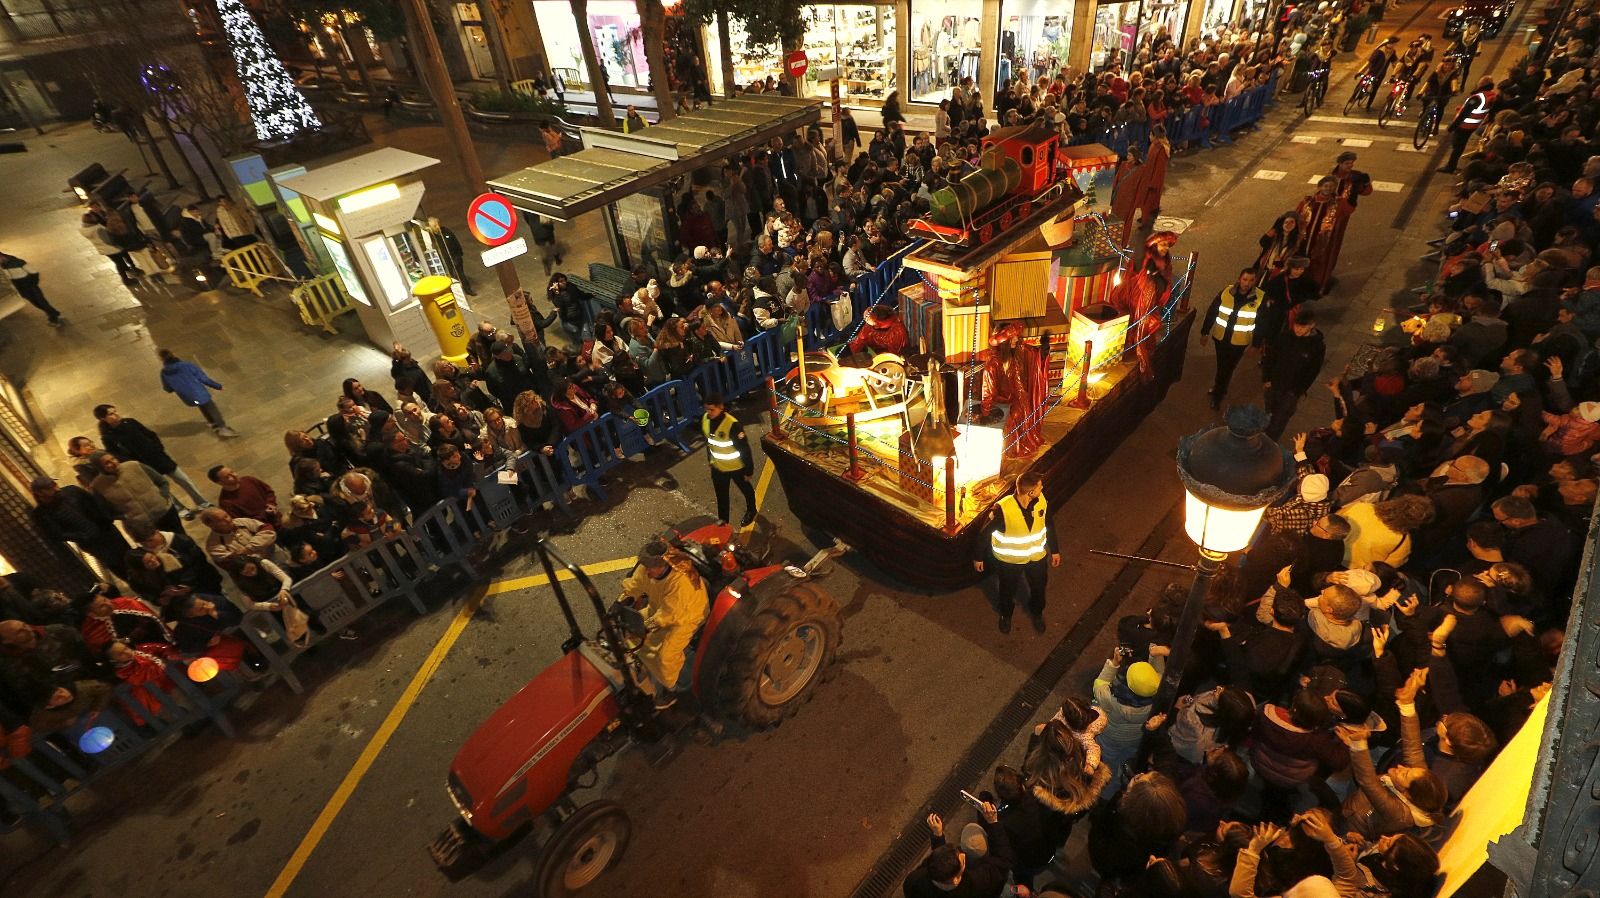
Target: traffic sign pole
column 430, row 64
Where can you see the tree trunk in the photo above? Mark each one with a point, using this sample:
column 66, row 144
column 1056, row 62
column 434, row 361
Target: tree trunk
column 358, row 54
column 725, row 48
column 653, row 31
column 166, row 131
column 142, row 126
column 494, row 33
column 591, row 61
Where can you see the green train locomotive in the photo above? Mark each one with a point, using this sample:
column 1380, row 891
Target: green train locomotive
column 1017, row 171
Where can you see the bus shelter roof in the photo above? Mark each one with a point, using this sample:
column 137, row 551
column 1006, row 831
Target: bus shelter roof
column 613, row 165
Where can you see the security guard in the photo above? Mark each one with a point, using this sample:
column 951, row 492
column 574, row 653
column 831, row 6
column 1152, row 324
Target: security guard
column 1231, row 325
column 1469, row 118
column 1020, row 539
column 729, row 454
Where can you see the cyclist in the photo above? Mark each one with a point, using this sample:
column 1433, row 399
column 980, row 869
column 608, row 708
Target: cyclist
column 1377, row 65
column 1443, row 83
column 1415, row 61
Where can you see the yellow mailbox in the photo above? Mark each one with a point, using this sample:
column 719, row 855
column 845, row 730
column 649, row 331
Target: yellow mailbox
column 444, row 316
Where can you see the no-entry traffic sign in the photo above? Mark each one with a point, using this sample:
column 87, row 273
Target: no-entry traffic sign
column 491, row 219
column 796, row 63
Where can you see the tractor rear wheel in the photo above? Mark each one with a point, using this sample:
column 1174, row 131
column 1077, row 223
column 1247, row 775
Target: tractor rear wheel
column 585, row 845
column 779, row 659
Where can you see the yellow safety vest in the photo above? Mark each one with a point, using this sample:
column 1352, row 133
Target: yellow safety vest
column 1016, row 542
column 724, row 452
column 1242, row 315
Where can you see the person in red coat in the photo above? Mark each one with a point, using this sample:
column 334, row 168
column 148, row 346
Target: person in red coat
column 882, row 331
column 1143, row 294
column 1154, row 178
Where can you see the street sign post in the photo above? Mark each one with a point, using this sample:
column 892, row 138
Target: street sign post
column 795, row 63
column 491, row 220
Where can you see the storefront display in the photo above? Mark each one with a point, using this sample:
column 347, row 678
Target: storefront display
column 946, row 36
column 1164, row 17
column 857, row 37
column 618, row 41
column 1217, row 15
column 1115, row 26
column 1121, row 28
column 1036, row 36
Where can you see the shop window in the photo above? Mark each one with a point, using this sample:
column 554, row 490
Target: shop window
column 857, row 37
column 1035, row 37
column 946, row 36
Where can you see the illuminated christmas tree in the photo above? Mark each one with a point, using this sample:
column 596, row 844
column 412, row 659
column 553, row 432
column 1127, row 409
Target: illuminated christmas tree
column 277, row 107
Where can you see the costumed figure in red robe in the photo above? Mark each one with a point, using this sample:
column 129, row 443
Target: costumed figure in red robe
column 1142, row 296
column 1127, row 190
column 882, row 331
column 1014, row 376
column 1154, row 179
column 1323, row 217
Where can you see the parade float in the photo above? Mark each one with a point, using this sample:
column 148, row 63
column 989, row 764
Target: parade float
column 1034, row 341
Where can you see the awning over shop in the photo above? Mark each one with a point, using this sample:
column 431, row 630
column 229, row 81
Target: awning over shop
column 614, row 165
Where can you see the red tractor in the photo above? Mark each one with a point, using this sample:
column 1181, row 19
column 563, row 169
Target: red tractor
column 768, row 638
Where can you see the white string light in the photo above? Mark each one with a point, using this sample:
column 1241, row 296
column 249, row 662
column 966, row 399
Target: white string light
column 277, row 107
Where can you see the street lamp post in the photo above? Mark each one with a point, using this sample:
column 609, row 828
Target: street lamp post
column 1230, row 475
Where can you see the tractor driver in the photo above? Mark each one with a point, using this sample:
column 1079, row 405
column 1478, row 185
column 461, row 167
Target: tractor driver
column 880, row 332
column 669, row 593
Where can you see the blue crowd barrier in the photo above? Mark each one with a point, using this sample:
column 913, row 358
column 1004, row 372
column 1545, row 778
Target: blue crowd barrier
column 1202, row 125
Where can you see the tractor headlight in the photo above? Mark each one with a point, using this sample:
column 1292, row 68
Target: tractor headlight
column 459, row 798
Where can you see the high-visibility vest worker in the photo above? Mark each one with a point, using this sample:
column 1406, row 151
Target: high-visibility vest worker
column 720, row 445
column 1016, row 541
column 1235, row 319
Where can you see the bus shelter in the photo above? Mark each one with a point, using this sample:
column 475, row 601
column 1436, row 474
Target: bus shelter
column 634, row 179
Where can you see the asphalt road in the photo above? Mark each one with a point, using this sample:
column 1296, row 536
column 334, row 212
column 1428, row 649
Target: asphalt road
column 808, row 809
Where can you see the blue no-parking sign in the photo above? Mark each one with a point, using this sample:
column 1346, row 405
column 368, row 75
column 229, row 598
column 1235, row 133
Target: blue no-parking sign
column 491, row 219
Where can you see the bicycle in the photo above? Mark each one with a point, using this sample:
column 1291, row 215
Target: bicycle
column 1395, row 106
column 1428, row 123
column 1316, row 91
column 1363, row 89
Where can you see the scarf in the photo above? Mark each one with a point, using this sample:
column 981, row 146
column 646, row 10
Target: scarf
column 169, row 561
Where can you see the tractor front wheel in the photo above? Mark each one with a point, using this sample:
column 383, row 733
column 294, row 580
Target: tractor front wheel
column 779, row 659
column 585, row 845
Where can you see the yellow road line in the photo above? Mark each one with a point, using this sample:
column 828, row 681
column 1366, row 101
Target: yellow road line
column 341, row 795
column 762, row 483
column 602, row 567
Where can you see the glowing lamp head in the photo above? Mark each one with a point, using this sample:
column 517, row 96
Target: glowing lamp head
column 1230, row 475
column 202, row 670
column 96, row 740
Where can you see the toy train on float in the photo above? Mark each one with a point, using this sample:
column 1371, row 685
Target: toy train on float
column 1007, row 344
column 1017, row 171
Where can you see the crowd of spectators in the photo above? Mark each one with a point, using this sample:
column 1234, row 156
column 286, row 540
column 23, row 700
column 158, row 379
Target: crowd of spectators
column 1402, row 608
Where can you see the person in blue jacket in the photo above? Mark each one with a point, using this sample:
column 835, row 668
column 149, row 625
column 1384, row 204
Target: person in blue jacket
column 190, row 381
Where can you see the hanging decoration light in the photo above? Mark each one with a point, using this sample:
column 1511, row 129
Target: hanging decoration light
column 277, row 107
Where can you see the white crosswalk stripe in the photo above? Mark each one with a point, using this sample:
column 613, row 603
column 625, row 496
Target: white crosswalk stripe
column 1388, row 186
column 1267, row 174
column 1304, row 138
column 1356, row 142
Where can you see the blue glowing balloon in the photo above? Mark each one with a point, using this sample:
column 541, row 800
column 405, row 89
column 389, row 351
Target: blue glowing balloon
column 96, row 740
